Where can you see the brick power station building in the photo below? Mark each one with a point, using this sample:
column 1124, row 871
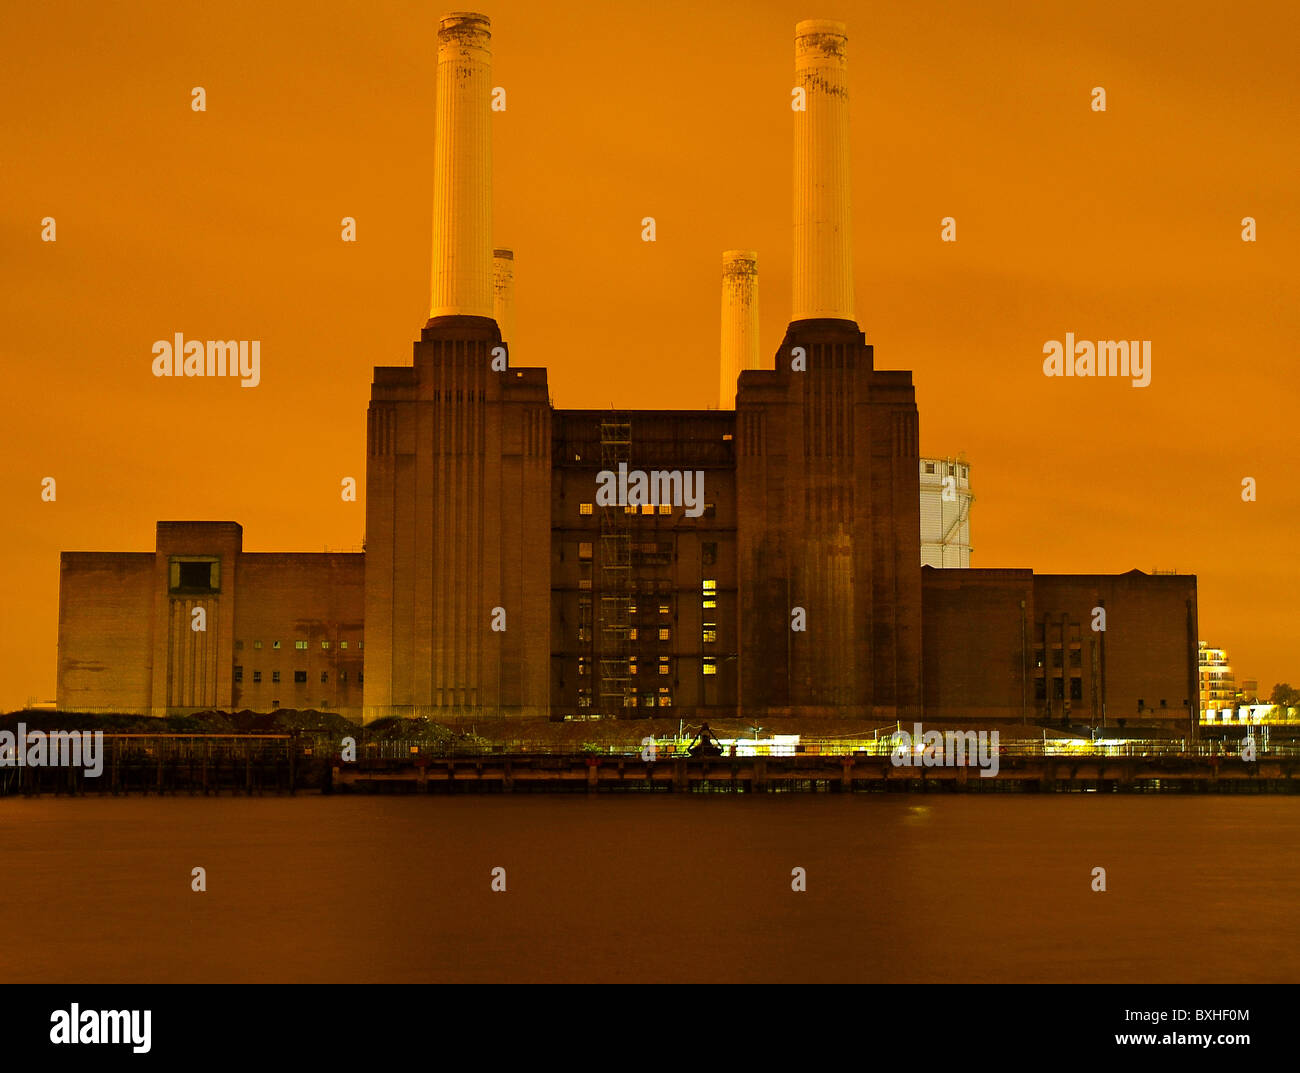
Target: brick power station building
column 775, row 570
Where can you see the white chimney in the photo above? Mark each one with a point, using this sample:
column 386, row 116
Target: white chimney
column 739, row 321
column 503, row 293
column 462, row 182
column 823, row 234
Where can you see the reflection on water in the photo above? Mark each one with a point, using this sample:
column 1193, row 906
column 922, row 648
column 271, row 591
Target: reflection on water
column 672, row 887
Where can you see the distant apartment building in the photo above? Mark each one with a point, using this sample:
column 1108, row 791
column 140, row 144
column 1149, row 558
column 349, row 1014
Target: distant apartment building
column 1218, row 686
column 945, row 513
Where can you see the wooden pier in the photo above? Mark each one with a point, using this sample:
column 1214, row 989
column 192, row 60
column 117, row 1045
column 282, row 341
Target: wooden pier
column 836, row 774
column 180, row 764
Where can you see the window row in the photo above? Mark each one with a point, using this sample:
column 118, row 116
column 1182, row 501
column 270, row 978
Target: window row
column 301, row 646
column 299, row 676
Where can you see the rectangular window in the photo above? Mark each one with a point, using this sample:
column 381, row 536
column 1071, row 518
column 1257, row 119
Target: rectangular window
column 275, row 676
column 194, row 574
column 324, row 677
column 343, row 644
column 584, row 550
column 1076, row 689
column 361, row 677
column 709, row 553
column 708, row 586
column 301, row 646
column 582, row 666
column 710, row 510
column 257, row 644
column 664, row 633
column 257, row 676
column 710, row 666
column 665, row 508
column 664, row 667
column 300, row 676
column 275, row 644
column 324, row 644
column 710, row 603
column 631, row 634
column 710, row 633
column 648, row 508
column 664, row 607
column 239, row 646
column 584, row 508
column 343, row 676
column 239, row 674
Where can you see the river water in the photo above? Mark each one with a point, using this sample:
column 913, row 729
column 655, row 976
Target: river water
column 694, row 887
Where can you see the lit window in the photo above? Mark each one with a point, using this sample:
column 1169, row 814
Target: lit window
column 629, row 510
column 584, row 508
column 663, row 665
column 360, row 645
column 665, row 508
column 301, row 646
column 631, row 634
column 710, row 603
column 343, row 644
column 582, row 665
column 708, row 585
column 275, row 644
column 664, row 633
column 710, row 666
column 710, row 633
column 324, row 644
column 664, row 607
column 257, row 644
column 584, row 550
column 343, row 676
column 584, row 583
column 648, row 508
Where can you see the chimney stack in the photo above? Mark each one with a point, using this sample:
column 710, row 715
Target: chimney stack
column 503, row 293
column 462, row 182
column 739, row 320
column 823, row 234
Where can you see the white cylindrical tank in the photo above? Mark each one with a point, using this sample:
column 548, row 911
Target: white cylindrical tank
column 946, row 500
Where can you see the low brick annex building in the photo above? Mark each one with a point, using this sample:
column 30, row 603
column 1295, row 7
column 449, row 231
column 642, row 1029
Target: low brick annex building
column 497, row 580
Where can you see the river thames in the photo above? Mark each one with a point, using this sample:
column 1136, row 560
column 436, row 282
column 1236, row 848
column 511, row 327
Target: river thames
column 899, row 888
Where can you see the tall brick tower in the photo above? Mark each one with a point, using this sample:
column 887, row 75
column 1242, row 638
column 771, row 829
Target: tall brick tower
column 459, row 457
column 827, row 459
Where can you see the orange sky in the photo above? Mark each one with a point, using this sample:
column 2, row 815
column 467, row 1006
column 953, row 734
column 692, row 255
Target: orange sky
column 225, row 224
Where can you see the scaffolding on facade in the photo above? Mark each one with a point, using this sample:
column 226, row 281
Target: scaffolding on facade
column 617, row 686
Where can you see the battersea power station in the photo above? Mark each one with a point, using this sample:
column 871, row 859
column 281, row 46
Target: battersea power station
column 757, row 560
